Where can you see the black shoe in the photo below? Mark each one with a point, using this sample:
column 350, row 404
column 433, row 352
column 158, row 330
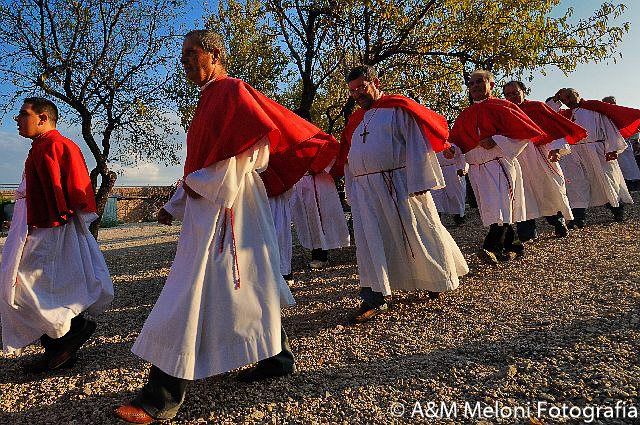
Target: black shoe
column 365, row 312
column 576, row 224
column 265, row 369
column 458, row 220
column 488, row 257
column 42, row 364
column 72, row 344
column 433, row 295
column 561, row 230
column 618, row 215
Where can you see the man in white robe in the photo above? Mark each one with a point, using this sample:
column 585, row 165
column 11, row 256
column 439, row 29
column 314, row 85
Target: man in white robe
column 592, row 173
column 220, row 307
column 544, row 187
column 452, row 198
column 52, row 268
column 390, row 169
column 627, row 159
column 496, row 179
column 318, row 216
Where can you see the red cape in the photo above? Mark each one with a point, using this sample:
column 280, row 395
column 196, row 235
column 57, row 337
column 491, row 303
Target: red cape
column 555, row 125
column 58, row 183
column 433, row 125
column 627, row 120
column 232, row 116
column 490, row 117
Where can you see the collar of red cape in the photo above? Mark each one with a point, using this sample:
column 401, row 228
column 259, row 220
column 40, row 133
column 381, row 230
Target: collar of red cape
column 433, row 125
column 58, row 184
column 627, row 120
column 231, row 116
column 489, row 118
column 555, row 125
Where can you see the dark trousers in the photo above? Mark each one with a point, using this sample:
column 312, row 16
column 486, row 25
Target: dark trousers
column 371, row 297
column 502, row 237
column 52, row 345
column 163, row 394
column 527, row 229
column 579, row 214
column 319, row 254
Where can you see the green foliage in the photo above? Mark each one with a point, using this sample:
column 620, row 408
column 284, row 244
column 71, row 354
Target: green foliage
column 422, row 48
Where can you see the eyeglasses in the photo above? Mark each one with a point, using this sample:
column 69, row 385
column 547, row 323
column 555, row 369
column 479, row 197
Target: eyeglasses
column 360, row 89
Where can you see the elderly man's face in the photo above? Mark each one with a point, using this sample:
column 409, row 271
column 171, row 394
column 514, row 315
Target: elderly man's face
column 568, row 97
column 479, row 87
column 198, row 64
column 364, row 92
column 513, row 93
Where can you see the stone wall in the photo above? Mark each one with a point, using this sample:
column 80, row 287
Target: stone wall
column 134, row 204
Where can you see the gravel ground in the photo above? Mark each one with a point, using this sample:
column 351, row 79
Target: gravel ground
column 559, row 326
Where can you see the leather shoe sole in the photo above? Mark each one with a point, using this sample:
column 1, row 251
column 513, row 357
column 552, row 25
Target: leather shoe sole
column 366, row 315
column 42, row 364
column 133, row 414
column 261, row 372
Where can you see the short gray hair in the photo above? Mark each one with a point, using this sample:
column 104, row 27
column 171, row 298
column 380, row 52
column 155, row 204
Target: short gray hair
column 209, row 41
column 485, row 74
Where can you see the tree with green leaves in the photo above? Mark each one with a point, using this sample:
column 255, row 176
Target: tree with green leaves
column 104, row 62
column 422, row 48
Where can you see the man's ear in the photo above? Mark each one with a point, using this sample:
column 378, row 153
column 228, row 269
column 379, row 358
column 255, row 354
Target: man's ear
column 492, row 84
column 376, row 82
column 44, row 118
column 215, row 56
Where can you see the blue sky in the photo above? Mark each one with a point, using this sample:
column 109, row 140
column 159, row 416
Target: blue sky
column 594, row 81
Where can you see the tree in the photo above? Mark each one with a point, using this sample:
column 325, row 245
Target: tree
column 105, row 62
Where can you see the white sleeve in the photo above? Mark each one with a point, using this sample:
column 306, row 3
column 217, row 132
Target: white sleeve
column 613, row 140
column 561, row 145
column 220, row 182
column 176, row 204
column 511, row 148
column 423, row 170
column 555, row 105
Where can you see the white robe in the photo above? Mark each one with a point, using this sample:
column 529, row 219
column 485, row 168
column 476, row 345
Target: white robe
column 281, row 211
column 381, row 176
column 591, row 179
column 544, row 188
column 317, row 213
column 48, row 276
column 628, row 163
column 496, row 179
column 452, row 199
column 212, row 316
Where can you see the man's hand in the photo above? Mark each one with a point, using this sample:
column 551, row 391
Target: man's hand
column 461, row 173
column 610, row 156
column 448, row 153
column 192, row 193
column 422, row 192
column 487, row 143
column 164, row 217
column 554, row 155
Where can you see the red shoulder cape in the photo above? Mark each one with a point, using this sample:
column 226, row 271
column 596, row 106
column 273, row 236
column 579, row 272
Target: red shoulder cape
column 627, row 120
column 232, row 116
column 490, row 117
column 433, row 125
column 555, row 125
column 58, row 183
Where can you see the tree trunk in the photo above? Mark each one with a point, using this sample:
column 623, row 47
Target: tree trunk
column 107, row 181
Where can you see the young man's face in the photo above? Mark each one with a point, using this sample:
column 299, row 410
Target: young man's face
column 29, row 122
column 364, row 92
column 513, row 93
column 198, row 64
column 479, row 87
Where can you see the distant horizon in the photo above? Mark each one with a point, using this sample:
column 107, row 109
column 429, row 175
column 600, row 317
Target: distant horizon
column 593, row 81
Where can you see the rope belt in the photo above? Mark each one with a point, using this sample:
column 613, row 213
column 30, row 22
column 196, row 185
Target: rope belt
column 388, row 181
column 233, row 238
column 547, row 162
column 506, row 175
